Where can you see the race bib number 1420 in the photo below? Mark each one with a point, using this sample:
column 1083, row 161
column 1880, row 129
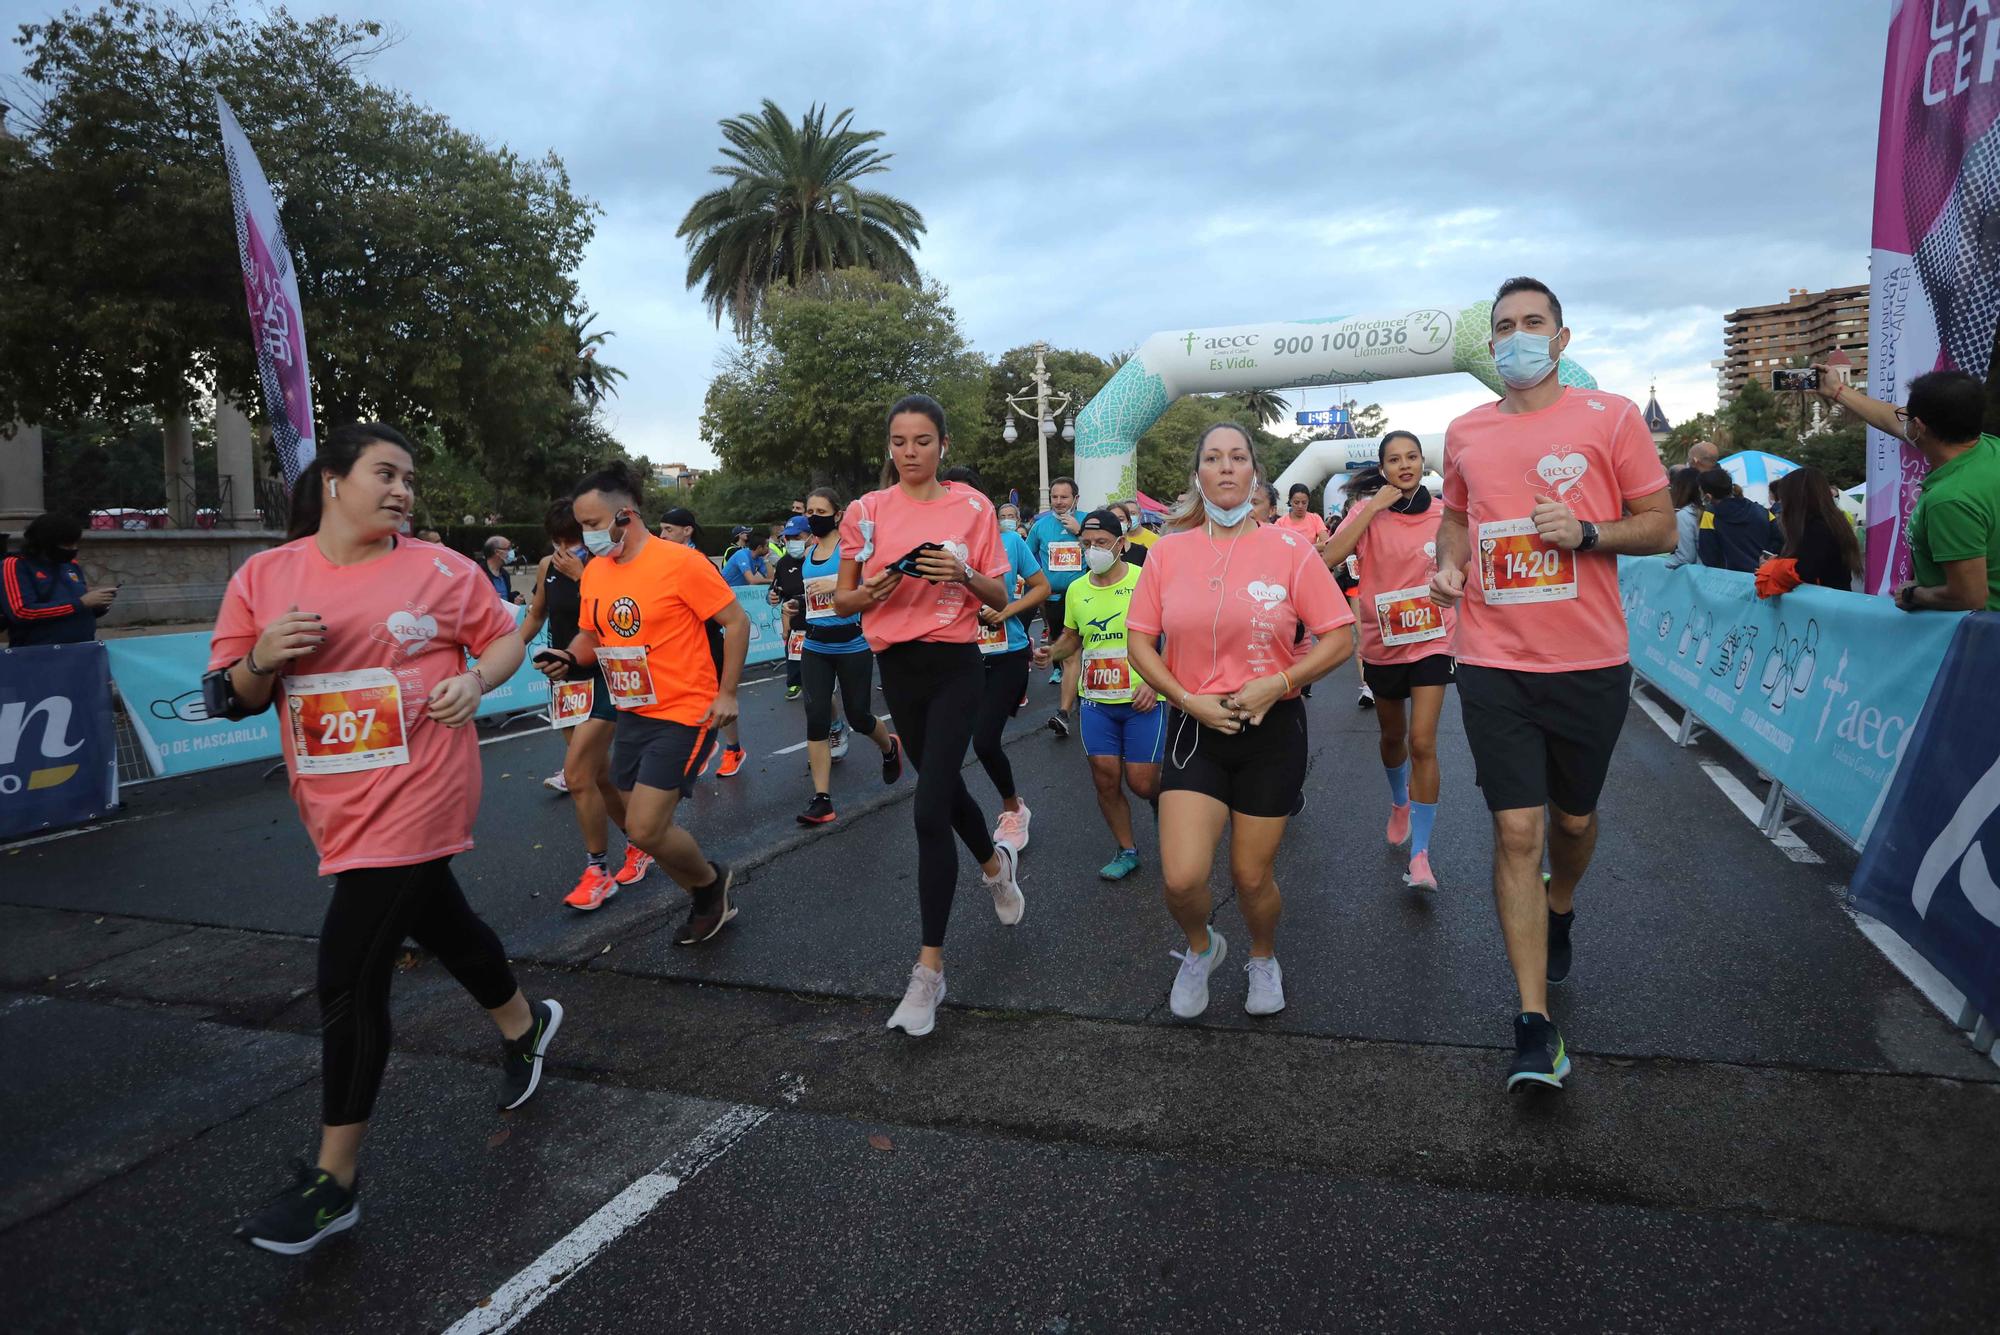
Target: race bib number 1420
column 1516, row 566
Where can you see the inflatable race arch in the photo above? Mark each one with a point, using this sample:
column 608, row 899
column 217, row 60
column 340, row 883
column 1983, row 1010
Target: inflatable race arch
column 1292, row 354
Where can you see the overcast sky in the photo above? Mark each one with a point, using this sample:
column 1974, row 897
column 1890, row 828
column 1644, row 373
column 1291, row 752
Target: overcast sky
column 1093, row 173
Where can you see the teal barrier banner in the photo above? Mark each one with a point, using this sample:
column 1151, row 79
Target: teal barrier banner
column 1817, row 688
column 159, row 677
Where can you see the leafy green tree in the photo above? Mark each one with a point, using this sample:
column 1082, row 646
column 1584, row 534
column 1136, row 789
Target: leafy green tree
column 1757, row 419
column 1700, row 427
column 1370, row 421
column 1166, row 451
column 434, row 269
column 807, row 395
column 728, row 497
column 794, row 207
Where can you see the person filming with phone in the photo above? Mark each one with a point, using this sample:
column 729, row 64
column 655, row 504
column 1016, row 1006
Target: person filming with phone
column 43, row 592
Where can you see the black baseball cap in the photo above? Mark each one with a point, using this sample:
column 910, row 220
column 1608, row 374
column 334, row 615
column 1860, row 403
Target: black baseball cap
column 1104, row 521
column 680, row 517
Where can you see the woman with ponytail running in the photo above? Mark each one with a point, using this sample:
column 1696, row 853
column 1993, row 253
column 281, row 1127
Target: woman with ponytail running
column 918, row 558
column 1405, row 637
column 360, row 638
column 1229, row 595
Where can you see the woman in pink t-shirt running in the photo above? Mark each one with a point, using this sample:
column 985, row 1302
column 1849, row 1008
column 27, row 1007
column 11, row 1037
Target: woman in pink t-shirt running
column 917, row 559
column 359, row 637
column 1405, row 637
column 1228, row 595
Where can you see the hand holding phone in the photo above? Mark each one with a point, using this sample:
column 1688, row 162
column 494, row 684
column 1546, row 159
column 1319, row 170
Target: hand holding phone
column 1796, row 378
column 909, row 564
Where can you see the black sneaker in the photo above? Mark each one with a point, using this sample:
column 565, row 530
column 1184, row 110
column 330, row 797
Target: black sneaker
column 791, row 692
column 1059, row 724
column 710, row 911
column 305, row 1214
column 1559, row 952
column 819, row 811
column 521, row 1058
column 892, row 763
column 1539, row 1055
column 1366, row 700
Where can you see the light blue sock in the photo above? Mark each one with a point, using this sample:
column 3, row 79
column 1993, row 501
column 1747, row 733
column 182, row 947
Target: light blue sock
column 1423, row 815
column 1399, row 783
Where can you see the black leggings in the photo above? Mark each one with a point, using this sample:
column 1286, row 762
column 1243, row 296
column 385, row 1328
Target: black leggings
column 855, row 675
column 933, row 692
column 373, row 909
column 1006, row 682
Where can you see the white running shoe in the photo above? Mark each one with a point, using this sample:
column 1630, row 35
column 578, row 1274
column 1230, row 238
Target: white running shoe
column 1267, row 986
column 1008, row 902
column 917, row 1015
column 1012, row 828
column 839, row 747
column 1190, row 995
column 557, row 781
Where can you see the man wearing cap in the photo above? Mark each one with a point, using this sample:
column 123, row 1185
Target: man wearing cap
column 745, row 564
column 1123, row 727
column 678, row 525
column 788, row 590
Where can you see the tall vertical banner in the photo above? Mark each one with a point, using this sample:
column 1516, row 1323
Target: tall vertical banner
column 271, row 285
column 1934, row 272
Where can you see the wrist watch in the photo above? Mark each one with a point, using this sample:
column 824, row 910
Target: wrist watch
column 1589, row 540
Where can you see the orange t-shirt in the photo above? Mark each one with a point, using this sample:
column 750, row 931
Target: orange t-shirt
column 650, row 617
column 1530, row 606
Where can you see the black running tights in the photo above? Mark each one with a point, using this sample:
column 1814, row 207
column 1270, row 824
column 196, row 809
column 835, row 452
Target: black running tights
column 855, row 675
column 373, row 910
column 1006, row 683
column 933, row 692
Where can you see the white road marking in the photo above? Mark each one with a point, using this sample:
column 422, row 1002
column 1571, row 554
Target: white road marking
column 510, row 736
column 91, row 828
column 800, row 746
column 1786, row 841
column 514, row 1300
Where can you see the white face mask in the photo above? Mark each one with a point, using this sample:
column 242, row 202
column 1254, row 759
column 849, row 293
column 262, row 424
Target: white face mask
column 795, row 547
column 1099, row 559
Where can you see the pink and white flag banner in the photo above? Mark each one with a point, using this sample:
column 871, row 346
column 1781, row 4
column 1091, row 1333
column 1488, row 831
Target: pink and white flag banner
column 271, row 285
column 1935, row 266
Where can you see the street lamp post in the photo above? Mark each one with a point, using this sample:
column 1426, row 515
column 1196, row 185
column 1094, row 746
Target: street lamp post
column 1046, row 404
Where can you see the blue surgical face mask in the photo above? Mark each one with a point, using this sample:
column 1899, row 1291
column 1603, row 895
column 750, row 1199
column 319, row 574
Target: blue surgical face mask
column 1523, row 359
column 599, row 541
column 1009, row 524
column 1231, row 517
column 795, row 547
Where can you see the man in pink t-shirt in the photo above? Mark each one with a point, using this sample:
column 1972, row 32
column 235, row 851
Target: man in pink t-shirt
column 1542, row 492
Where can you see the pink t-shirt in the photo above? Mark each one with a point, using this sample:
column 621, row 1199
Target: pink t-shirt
column 1230, row 609
column 882, row 527
column 1312, row 528
column 1398, row 557
column 1530, row 606
column 396, row 626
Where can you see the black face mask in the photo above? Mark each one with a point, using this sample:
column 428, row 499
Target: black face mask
column 67, row 553
column 821, row 525
column 1415, row 503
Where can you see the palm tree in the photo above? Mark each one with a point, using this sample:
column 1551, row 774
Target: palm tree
column 793, row 207
column 591, row 379
column 1264, row 405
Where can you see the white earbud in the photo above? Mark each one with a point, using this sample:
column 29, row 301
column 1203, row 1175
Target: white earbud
column 333, row 487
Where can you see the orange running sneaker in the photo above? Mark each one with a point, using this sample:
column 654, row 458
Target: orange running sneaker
column 637, row 863
column 732, row 760
column 592, row 889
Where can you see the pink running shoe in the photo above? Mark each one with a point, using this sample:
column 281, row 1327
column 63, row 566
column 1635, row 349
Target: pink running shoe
column 1420, row 876
column 1399, row 825
column 1012, row 828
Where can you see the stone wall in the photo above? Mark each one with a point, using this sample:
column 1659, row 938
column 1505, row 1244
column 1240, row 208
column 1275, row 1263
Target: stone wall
column 167, row 575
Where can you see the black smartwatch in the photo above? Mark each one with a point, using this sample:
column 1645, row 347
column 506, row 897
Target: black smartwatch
column 1589, row 540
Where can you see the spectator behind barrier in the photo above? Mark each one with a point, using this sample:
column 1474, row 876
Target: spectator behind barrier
column 1736, row 532
column 1955, row 529
column 1686, row 496
column 43, row 593
column 1818, row 537
column 499, row 554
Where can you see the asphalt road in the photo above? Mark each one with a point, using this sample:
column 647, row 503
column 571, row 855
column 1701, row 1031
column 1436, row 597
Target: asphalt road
column 1768, row 1128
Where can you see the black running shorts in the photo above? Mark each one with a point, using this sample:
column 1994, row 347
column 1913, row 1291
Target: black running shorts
column 1392, row 681
column 1543, row 738
column 1260, row 771
column 657, row 752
